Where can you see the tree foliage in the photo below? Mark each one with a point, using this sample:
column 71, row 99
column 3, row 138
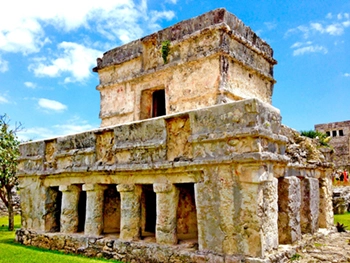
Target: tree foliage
column 323, row 138
column 9, row 153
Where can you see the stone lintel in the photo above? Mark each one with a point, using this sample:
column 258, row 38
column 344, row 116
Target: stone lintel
column 256, row 172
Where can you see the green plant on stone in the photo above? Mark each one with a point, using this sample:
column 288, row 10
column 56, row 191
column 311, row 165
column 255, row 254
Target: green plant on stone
column 323, row 138
column 296, row 256
column 165, row 50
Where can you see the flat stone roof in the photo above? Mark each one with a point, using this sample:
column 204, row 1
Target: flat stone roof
column 182, row 30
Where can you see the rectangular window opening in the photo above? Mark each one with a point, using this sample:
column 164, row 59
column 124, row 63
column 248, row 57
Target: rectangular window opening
column 341, row 133
column 334, row 133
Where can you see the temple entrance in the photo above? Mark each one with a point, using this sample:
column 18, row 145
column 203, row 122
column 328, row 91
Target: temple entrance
column 111, row 214
column 53, row 205
column 148, row 211
column 186, row 212
column 81, row 211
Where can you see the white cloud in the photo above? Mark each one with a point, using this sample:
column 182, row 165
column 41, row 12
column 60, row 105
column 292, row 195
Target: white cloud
column 3, row 100
column 30, row 85
column 3, row 65
column 310, row 49
column 346, row 75
column 51, row 105
column 74, row 59
column 72, row 126
column 270, row 25
column 23, row 23
column 334, row 26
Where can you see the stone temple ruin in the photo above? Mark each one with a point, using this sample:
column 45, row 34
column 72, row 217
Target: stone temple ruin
column 189, row 164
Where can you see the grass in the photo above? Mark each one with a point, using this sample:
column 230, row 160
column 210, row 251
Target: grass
column 343, row 219
column 16, row 253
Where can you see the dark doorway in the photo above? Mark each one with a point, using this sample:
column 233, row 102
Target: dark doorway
column 158, row 103
column 81, row 211
column 149, row 206
column 111, row 208
column 53, row 209
column 187, row 212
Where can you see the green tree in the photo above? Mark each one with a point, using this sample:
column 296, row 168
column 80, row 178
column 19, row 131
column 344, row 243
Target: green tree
column 9, row 153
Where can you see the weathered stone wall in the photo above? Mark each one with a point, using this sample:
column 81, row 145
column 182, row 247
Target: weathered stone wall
column 215, row 190
column 208, row 64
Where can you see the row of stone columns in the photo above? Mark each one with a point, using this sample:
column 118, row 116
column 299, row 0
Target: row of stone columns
column 130, row 195
column 299, row 207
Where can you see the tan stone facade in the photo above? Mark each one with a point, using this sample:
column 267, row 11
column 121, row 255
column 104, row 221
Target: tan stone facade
column 213, row 59
column 340, row 133
column 207, row 182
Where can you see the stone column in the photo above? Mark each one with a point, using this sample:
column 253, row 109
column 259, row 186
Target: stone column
column 289, row 201
column 130, row 223
column 310, row 198
column 257, row 221
column 94, row 209
column 69, row 208
column 167, row 202
column 326, row 219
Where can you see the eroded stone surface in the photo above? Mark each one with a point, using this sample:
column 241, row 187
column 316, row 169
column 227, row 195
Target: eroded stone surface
column 204, row 184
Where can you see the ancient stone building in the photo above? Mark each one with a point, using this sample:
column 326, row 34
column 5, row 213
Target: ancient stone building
column 189, row 164
column 340, row 133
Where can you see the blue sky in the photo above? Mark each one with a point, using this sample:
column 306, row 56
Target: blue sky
column 48, row 48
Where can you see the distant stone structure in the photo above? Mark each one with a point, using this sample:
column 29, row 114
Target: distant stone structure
column 189, row 164
column 340, row 133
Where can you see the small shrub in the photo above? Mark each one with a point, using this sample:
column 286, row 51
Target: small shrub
column 165, row 50
column 296, row 256
column 340, row 227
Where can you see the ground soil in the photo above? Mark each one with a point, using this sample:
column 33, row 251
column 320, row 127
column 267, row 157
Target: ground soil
column 333, row 247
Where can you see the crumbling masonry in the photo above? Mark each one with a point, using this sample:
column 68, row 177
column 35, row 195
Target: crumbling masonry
column 189, row 164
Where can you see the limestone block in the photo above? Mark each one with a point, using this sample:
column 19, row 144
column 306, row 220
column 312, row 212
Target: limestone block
column 326, row 211
column 207, row 194
column 69, row 208
column 178, row 132
column 94, row 209
column 130, row 225
column 289, row 202
column 310, row 198
column 167, row 202
column 257, row 225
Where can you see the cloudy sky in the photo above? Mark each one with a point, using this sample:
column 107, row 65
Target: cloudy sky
column 48, row 48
